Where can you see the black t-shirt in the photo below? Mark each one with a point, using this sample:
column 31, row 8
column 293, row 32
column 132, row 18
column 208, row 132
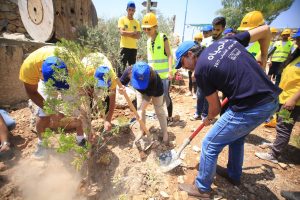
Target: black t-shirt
column 154, row 89
column 227, row 66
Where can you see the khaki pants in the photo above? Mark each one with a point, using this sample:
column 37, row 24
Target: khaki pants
column 158, row 103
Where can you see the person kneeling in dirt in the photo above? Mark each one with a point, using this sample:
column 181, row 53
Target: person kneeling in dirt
column 149, row 86
column 6, row 124
column 226, row 66
column 99, row 65
column 37, row 69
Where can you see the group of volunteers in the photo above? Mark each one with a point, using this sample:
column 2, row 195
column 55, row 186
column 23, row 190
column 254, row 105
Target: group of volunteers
column 219, row 60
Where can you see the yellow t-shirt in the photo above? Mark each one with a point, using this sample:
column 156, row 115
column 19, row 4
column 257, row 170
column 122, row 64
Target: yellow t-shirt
column 31, row 69
column 290, row 81
column 128, row 25
column 94, row 60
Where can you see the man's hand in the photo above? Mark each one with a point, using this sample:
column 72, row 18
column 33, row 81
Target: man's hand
column 206, row 122
column 290, row 104
column 107, row 125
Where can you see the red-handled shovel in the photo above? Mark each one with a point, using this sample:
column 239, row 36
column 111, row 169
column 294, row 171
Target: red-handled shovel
column 171, row 159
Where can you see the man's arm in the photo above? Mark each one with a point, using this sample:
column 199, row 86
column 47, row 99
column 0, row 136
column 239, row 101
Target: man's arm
column 214, row 107
column 263, row 35
column 132, row 34
column 33, row 94
column 291, row 102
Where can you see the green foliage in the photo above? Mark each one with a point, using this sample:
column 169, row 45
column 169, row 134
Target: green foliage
column 66, row 143
column 286, row 116
column 235, row 10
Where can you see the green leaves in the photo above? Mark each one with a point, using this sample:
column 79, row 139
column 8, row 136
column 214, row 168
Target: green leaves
column 286, row 116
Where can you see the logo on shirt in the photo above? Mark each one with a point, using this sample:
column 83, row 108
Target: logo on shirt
column 126, row 26
column 159, row 47
column 134, row 27
column 234, row 54
column 212, row 55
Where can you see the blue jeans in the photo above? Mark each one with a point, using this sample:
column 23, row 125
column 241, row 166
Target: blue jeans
column 202, row 104
column 9, row 122
column 230, row 129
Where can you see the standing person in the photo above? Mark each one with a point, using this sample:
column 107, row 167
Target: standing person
column 6, row 124
column 130, row 32
column 207, row 35
column 283, row 50
column 159, row 56
column 250, row 21
column 36, row 70
column 149, row 87
column 219, row 24
column 226, row 66
column 289, row 99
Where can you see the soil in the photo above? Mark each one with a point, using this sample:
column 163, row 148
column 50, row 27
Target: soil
column 123, row 172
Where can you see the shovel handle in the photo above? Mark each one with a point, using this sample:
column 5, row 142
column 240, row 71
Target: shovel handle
column 202, row 125
column 131, row 106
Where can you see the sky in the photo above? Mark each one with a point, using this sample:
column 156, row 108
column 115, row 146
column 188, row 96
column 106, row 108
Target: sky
column 198, row 11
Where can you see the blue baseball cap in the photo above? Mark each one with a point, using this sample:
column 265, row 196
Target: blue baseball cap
column 182, row 49
column 48, row 71
column 140, row 75
column 228, row 30
column 130, row 4
column 103, row 81
column 297, row 34
column 207, row 28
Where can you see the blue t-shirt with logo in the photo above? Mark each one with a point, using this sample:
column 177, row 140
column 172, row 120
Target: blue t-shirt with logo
column 228, row 67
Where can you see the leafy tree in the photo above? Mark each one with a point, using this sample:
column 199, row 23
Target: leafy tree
column 235, row 10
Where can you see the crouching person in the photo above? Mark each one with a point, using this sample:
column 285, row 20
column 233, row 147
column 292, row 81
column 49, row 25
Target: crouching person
column 6, row 124
column 149, row 87
column 39, row 67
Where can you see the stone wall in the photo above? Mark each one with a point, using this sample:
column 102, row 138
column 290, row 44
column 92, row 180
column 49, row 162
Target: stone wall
column 10, row 19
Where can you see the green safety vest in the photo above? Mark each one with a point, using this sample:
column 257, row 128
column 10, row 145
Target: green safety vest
column 282, row 52
column 254, row 49
column 157, row 58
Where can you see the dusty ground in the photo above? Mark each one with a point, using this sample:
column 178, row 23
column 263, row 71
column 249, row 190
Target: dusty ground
column 124, row 175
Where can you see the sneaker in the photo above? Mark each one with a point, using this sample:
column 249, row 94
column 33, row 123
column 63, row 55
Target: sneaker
column 194, row 96
column 271, row 123
column 267, row 156
column 40, row 152
column 195, row 117
column 83, row 143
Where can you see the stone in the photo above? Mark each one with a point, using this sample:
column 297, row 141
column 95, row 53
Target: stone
column 164, row 194
column 196, row 149
column 180, row 179
column 181, row 195
column 283, row 165
column 11, row 28
column 292, row 165
column 176, row 118
column 10, row 15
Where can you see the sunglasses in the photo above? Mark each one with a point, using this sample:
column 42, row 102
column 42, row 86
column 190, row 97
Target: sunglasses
column 146, row 29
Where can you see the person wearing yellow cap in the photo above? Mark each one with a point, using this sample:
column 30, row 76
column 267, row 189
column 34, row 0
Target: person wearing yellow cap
column 289, row 99
column 159, row 56
column 250, row 21
column 130, row 32
column 282, row 51
column 198, row 38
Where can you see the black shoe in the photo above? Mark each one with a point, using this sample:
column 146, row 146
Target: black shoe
column 221, row 171
column 289, row 195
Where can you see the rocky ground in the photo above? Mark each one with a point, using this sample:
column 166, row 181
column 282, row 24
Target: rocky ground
column 125, row 173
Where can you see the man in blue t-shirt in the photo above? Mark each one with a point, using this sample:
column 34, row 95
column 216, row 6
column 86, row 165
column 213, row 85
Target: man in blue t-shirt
column 227, row 66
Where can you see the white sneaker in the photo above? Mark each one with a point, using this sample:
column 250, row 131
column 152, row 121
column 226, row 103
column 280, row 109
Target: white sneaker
column 194, row 96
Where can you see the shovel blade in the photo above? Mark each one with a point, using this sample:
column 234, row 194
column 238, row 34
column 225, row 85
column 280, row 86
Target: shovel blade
column 173, row 164
column 167, row 157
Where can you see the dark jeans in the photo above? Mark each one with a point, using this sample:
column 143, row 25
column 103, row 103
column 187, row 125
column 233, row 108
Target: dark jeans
column 127, row 56
column 191, row 83
column 275, row 72
column 167, row 98
column 202, row 104
column 284, row 131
